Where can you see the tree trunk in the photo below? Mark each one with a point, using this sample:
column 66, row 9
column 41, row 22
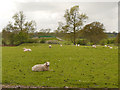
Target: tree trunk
column 74, row 29
column 74, row 36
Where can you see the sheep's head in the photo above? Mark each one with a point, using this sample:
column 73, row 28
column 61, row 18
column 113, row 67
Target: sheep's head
column 47, row 64
column 24, row 48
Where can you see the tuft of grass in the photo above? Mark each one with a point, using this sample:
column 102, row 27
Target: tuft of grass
column 82, row 67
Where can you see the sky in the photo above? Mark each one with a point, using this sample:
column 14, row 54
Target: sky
column 47, row 13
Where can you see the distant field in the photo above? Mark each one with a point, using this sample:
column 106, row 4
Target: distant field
column 83, row 67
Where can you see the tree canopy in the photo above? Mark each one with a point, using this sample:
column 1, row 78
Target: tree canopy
column 74, row 21
column 16, row 32
column 94, row 32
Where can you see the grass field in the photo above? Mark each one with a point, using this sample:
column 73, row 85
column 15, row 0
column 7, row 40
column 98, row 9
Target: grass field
column 82, row 67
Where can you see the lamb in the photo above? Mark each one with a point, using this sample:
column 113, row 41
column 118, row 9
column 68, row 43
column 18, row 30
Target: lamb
column 50, row 46
column 61, row 45
column 41, row 67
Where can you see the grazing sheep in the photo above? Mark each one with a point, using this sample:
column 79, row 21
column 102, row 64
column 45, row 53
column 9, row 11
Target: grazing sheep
column 50, row 46
column 41, row 67
column 94, row 46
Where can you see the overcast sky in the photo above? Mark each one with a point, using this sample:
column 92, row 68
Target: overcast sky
column 47, row 13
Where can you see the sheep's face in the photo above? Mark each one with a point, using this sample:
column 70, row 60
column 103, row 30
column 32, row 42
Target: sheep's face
column 24, row 48
column 47, row 63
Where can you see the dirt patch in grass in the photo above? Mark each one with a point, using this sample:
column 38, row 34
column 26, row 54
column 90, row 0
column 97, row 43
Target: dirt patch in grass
column 21, row 86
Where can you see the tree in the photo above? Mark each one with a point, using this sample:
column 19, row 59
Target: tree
column 18, row 30
column 45, row 32
column 20, row 23
column 74, row 21
column 117, row 40
column 94, row 32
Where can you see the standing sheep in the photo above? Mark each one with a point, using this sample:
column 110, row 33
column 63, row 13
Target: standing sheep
column 41, row 67
column 50, row 46
column 78, row 44
column 61, row 45
column 105, row 45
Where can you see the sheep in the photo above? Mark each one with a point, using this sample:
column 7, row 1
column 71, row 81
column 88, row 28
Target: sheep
column 110, row 47
column 50, row 46
column 78, row 44
column 41, row 67
column 61, row 45
column 94, row 46
column 25, row 49
column 105, row 45
column 28, row 49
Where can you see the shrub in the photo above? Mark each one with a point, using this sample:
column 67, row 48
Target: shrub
column 110, row 41
column 103, row 42
column 52, row 42
column 67, row 43
column 82, row 41
column 89, row 44
column 43, row 41
column 32, row 41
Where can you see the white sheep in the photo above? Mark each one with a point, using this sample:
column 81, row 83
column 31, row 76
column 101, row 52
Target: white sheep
column 105, row 45
column 50, row 46
column 61, row 45
column 78, row 45
column 94, row 46
column 25, row 49
column 110, row 47
column 41, row 67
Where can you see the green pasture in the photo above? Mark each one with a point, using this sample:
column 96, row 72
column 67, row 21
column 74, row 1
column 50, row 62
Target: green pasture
column 82, row 67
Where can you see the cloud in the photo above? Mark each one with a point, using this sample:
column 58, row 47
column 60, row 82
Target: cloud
column 47, row 13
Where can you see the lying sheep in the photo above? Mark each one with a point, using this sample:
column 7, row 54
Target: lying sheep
column 25, row 49
column 94, row 46
column 41, row 67
column 110, row 47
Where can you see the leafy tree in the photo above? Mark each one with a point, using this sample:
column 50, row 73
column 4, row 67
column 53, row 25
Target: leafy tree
column 30, row 27
column 45, row 30
column 74, row 21
column 17, row 32
column 94, row 32
column 20, row 23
